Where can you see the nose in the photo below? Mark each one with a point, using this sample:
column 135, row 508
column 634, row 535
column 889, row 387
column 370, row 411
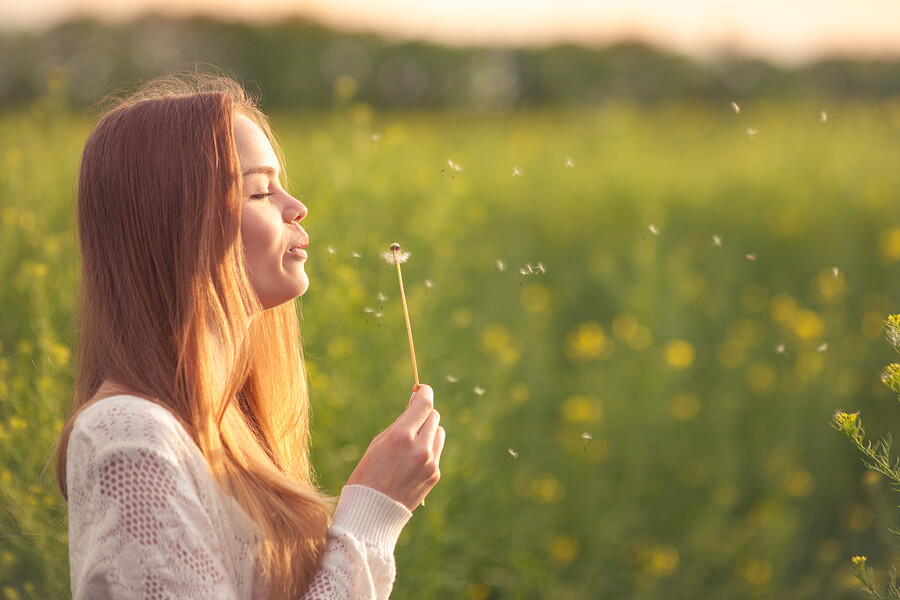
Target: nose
column 294, row 210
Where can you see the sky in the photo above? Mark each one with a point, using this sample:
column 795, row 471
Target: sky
column 788, row 31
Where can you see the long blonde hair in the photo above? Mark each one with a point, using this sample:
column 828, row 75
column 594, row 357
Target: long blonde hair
column 167, row 312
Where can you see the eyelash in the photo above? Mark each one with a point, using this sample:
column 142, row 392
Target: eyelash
column 261, row 196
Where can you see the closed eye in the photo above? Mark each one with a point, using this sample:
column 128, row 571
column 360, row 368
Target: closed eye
column 261, row 196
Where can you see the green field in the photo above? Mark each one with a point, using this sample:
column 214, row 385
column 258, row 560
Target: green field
column 704, row 360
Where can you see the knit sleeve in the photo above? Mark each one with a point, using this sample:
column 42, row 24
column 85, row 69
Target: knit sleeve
column 359, row 558
column 141, row 524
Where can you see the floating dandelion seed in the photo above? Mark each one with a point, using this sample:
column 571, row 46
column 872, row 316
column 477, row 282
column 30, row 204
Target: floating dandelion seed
column 381, row 299
column 356, row 254
column 479, row 391
column 452, row 379
column 822, row 348
column 835, row 272
column 501, row 266
column 516, row 172
column 512, row 455
column 455, row 166
column 823, row 116
column 751, row 257
column 398, row 256
column 368, row 310
column 717, row 241
column 752, row 131
column 586, row 437
column 736, row 108
column 569, row 163
column 331, row 250
column 780, row 349
column 428, row 284
column 527, row 270
column 653, row 229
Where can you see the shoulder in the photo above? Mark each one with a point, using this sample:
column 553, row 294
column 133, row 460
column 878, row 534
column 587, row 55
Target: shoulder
column 127, row 423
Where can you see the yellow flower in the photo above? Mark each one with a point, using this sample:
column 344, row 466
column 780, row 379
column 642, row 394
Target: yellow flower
column 679, row 354
column 859, row 560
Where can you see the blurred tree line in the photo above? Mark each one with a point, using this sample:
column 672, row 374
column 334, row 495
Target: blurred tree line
column 300, row 64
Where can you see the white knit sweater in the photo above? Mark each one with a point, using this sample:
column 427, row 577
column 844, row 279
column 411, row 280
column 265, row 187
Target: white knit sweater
column 148, row 521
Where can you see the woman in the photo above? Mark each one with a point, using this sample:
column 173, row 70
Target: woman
column 185, row 456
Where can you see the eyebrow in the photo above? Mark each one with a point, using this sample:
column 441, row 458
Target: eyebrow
column 262, row 169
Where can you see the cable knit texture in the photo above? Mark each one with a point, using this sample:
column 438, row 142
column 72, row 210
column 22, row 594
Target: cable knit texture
column 148, row 521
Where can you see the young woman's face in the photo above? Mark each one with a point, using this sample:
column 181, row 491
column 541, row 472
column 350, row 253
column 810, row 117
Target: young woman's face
column 274, row 242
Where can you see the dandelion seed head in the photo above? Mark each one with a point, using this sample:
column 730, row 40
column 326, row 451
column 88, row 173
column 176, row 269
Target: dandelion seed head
column 516, row 172
column 736, row 108
column 501, row 266
column 835, row 272
column 539, row 268
column 479, row 391
column 395, row 255
column 717, row 241
column 779, row 349
column 368, row 310
column 429, row 284
column 455, row 166
column 586, row 436
column 569, row 163
column 356, row 254
column 381, row 297
column 752, row 131
column 823, row 347
column 378, row 315
column 452, row 379
column 512, row 453
column 331, row 250
column 653, row 229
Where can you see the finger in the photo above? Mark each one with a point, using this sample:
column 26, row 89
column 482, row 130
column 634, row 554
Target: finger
column 438, row 447
column 429, row 427
column 419, row 408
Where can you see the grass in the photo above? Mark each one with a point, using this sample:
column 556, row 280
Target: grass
column 712, row 470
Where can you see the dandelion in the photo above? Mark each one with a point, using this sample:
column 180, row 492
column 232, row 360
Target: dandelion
column 512, row 455
column 452, row 379
column 717, row 241
column 396, row 256
column 501, row 266
column 569, row 163
column 751, row 256
column 516, row 172
column 653, row 229
column 752, row 131
column 823, row 116
column 391, row 258
column 586, row 437
column 736, row 108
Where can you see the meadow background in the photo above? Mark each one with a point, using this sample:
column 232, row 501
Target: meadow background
column 647, row 418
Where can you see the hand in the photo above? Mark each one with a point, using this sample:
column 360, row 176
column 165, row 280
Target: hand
column 403, row 461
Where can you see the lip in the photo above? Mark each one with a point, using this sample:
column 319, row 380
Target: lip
column 298, row 251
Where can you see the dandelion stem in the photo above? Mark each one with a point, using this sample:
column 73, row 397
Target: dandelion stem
column 395, row 250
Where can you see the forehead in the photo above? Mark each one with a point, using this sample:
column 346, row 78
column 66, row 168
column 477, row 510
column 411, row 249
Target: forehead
column 253, row 147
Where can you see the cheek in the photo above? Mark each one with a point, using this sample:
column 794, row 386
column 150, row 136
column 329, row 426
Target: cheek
column 261, row 239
